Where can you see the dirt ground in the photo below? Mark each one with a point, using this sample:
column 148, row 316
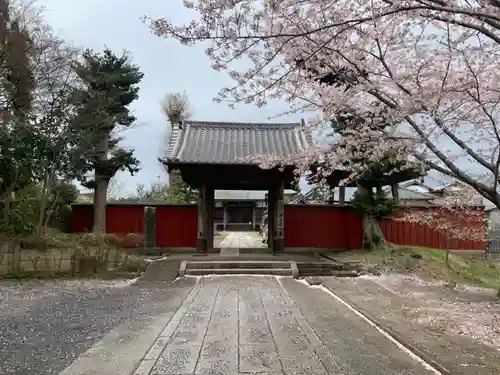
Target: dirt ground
column 455, row 329
column 451, row 311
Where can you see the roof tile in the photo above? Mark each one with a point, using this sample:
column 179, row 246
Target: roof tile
column 235, row 143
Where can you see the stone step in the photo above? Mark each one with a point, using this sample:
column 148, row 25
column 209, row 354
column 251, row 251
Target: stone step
column 324, row 265
column 236, row 264
column 325, row 272
column 239, row 271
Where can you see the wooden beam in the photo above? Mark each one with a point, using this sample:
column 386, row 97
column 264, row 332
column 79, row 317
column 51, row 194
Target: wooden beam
column 235, row 177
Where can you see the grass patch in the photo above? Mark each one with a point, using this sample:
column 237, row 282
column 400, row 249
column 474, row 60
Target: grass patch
column 464, row 268
column 58, row 240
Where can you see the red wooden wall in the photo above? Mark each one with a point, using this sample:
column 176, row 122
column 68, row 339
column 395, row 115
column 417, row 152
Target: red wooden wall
column 313, row 226
column 403, row 233
column 176, row 225
column 322, row 226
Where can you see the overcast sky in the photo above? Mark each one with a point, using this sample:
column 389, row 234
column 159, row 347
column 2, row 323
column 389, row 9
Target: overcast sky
column 168, row 67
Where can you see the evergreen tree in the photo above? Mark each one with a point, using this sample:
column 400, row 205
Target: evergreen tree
column 110, row 85
column 17, row 140
column 178, row 191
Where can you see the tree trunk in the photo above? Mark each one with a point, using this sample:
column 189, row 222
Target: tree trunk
column 7, row 200
column 373, row 236
column 6, row 211
column 100, row 193
column 50, row 212
column 40, row 228
column 101, row 188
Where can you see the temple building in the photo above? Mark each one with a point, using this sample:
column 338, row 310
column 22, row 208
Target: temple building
column 242, row 210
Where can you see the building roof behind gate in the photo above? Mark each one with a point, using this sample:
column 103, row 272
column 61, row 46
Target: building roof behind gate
column 201, row 142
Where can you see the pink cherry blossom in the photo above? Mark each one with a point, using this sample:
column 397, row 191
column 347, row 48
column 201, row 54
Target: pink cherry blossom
column 432, row 66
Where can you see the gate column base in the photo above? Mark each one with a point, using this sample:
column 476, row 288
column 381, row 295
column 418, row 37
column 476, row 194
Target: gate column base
column 201, row 246
column 279, row 246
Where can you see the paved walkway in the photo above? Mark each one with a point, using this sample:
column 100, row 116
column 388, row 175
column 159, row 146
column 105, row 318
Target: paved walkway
column 250, row 325
column 238, row 240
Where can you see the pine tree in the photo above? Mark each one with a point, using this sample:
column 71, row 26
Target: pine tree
column 110, row 85
column 179, row 191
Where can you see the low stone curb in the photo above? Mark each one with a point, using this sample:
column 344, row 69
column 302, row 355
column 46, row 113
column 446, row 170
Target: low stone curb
column 400, row 338
column 295, row 269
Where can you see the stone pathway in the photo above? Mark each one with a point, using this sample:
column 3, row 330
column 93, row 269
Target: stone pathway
column 238, row 240
column 233, row 329
column 240, row 325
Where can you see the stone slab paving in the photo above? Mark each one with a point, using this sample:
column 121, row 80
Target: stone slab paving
column 355, row 345
column 238, row 240
column 251, row 325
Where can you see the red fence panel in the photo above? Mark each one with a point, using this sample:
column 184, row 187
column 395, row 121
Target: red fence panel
column 313, row 226
column 125, row 218
column 411, row 234
column 82, row 218
column 320, row 226
column 176, row 226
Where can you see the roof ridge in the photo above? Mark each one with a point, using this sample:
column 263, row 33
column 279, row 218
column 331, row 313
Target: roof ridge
column 240, row 123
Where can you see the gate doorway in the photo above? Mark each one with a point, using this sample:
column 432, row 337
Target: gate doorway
column 213, row 156
column 238, row 219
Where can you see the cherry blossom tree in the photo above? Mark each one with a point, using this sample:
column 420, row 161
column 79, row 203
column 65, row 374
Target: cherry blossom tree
column 459, row 216
column 430, row 66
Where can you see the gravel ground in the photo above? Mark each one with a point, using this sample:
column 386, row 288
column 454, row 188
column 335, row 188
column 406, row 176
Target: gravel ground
column 465, row 310
column 45, row 325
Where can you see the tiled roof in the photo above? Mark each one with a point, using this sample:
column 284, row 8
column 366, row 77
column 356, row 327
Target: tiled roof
column 245, row 195
column 408, row 194
column 235, row 143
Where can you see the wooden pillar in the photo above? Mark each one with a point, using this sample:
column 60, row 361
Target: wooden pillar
column 224, row 222
column 253, row 217
column 210, row 211
column 395, row 192
column 331, row 196
column 201, row 243
column 342, row 194
column 279, row 240
column 271, row 208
